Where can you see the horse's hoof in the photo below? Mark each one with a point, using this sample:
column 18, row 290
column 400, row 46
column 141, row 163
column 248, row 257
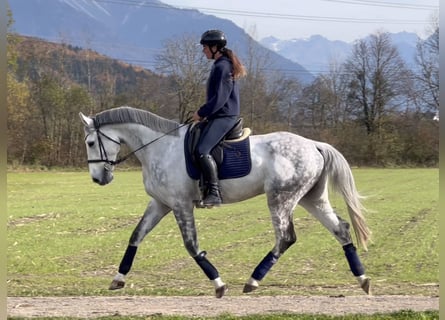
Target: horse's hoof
column 366, row 285
column 221, row 291
column 116, row 284
column 249, row 288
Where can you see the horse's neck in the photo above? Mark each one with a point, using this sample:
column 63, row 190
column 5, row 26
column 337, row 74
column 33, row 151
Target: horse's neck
column 135, row 136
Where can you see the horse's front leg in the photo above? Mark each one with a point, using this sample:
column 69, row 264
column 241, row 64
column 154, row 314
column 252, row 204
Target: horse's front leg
column 186, row 223
column 153, row 214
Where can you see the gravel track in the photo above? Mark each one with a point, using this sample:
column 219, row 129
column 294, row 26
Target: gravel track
column 94, row 307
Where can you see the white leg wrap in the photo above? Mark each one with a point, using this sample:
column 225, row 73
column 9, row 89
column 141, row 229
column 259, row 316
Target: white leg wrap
column 365, row 283
column 218, row 283
column 361, row 278
column 119, row 277
column 253, row 282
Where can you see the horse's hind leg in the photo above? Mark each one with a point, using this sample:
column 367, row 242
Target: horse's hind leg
column 154, row 212
column 323, row 211
column 281, row 206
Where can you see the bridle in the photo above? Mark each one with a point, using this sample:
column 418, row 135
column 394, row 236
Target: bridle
column 103, row 153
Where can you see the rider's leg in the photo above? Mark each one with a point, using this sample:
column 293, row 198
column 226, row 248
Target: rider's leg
column 210, row 173
column 212, row 134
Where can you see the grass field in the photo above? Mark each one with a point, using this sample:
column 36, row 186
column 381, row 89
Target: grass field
column 66, row 236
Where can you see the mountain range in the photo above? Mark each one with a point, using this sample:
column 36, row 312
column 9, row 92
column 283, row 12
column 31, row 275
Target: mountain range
column 135, row 32
column 317, row 53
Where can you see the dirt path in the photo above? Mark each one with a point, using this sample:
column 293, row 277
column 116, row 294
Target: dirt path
column 93, row 307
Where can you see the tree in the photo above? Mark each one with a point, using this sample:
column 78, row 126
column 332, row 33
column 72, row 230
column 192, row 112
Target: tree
column 289, row 93
column 71, row 139
column 427, row 73
column 379, row 83
column 263, row 91
column 11, row 40
column 324, row 102
column 378, row 79
column 182, row 60
column 17, row 101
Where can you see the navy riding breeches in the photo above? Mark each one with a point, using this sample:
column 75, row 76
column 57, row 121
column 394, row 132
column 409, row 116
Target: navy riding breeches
column 213, row 132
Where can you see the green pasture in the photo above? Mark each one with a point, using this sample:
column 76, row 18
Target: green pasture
column 66, row 236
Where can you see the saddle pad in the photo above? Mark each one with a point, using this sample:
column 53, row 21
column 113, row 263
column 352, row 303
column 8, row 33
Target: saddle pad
column 236, row 161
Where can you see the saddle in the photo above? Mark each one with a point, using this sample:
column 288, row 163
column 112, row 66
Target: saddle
column 232, row 154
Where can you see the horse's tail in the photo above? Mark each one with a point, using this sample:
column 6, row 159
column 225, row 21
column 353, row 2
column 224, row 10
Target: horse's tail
column 342, row 180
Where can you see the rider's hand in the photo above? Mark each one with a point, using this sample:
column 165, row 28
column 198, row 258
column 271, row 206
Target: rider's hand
column 196, row 117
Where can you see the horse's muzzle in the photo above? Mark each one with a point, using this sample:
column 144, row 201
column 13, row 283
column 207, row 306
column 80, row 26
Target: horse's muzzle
column 105, row 179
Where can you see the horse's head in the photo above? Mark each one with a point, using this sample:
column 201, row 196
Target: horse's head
column 102, row 149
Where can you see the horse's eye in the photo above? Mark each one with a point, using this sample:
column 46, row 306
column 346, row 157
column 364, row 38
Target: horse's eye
column 90, row 143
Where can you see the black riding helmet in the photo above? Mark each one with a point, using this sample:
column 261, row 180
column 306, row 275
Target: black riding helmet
column 214, row 38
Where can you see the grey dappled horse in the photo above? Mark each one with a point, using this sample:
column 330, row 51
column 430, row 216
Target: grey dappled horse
column 290, row 169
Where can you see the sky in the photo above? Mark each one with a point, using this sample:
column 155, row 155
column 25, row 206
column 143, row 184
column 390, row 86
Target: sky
column 345, row 20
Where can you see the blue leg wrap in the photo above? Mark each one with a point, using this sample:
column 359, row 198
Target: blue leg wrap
column 208, row 268
column 127, row 260
column 264, row 266
column 353, row 260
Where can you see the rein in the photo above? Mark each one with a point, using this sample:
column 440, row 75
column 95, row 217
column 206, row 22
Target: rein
column 103, row 152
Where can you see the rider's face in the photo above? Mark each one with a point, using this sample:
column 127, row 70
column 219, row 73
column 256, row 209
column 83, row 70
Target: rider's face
column 207, row 51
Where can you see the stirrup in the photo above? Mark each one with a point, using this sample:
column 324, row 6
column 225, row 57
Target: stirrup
column 211, row 200
column 199, row 204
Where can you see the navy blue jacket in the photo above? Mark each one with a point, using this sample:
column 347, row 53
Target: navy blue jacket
column 222, row 92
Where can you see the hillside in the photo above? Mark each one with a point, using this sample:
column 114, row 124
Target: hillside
column 73, row 64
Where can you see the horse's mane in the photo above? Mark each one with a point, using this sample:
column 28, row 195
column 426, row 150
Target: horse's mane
column 127, row 114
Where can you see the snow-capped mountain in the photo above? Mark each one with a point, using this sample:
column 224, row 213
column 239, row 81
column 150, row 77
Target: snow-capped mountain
column 316, row 54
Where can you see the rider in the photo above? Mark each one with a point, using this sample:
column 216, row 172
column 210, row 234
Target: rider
column 221, row 110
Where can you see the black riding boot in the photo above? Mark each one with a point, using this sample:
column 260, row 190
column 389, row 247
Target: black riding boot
column 210, row 173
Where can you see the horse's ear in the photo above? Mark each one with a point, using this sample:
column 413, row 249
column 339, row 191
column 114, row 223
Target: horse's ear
column 88, row 122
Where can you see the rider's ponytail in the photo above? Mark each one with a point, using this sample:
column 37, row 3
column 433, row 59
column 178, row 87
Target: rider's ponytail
column 239, row 70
